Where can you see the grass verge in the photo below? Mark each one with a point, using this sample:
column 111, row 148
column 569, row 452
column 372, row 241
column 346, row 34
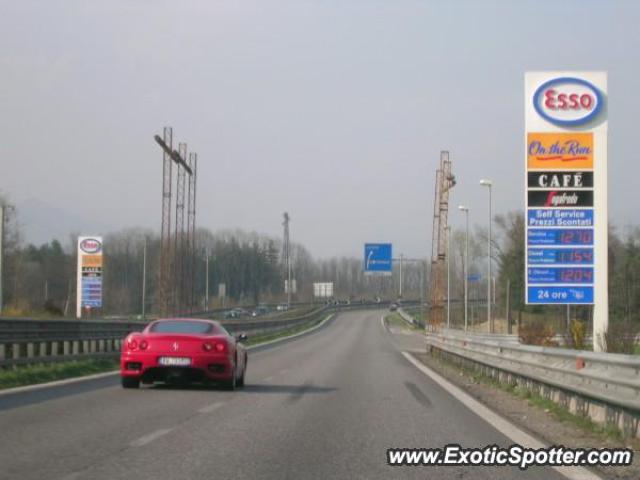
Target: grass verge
column 395, row 320
column 41, row 373
column 419, row 315
column 560, row 413
column 267, row 337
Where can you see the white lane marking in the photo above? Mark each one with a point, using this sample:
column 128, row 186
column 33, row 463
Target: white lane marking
column 211, row 408
column 150, row 438
column 268, row 379
column 501, row 424
column 384, row 325
column 57, row 383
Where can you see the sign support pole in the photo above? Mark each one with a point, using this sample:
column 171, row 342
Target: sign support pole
column 601, row 244
column 1, row 251
column 79, row 285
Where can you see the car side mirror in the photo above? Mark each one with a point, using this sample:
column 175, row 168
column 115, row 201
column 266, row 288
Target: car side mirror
column 242, row 337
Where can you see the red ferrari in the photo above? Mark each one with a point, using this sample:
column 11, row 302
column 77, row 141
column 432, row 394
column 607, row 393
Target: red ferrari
column 181, row 350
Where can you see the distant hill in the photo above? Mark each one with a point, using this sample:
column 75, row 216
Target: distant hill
column 41, row 222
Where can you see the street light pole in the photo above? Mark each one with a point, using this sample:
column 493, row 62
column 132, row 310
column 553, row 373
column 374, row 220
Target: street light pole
column 466, row 268
column 400, row 293
column 448, row 231
column 144, row 278
column 490, row 326
column 423, row 273
column 206, row 281
column 1, row 250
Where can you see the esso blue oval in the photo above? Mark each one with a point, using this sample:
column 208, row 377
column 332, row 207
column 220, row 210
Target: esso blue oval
column 91, row 245
column 568, row 101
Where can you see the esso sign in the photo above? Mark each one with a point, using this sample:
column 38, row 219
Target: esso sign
column 567, row 101
column 90, row 245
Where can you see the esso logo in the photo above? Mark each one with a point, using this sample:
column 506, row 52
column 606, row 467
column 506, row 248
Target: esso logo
column 90, row 245
column 567, row 101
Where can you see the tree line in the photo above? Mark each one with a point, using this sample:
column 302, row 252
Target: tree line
column 42, row 278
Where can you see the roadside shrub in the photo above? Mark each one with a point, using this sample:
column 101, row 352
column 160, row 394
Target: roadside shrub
column 621, row 337
column 15, row 311
column 577, row 334
column 537, row 333
column 51, row 308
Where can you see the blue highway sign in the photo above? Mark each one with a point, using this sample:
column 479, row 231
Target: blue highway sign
column 378, row 258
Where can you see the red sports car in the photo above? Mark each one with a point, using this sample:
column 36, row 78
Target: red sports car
column 180, row 350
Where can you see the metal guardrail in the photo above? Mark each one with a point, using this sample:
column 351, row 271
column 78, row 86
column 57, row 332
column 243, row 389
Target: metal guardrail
column 558, row 338
column 24, row 341
column 604, row 386
column 406, row 317
column 611, row 377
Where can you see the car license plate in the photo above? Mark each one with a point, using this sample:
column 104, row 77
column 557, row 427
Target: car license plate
column 174, row 361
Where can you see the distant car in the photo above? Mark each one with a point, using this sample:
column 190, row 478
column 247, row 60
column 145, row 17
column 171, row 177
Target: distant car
column 183, row 350
column 282, row 307
column 393, row 307
column 235, row 313
column 260, row 310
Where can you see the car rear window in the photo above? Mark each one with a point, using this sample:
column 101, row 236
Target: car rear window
column 182, row 326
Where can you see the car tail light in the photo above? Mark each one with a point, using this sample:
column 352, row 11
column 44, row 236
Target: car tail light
column 220, row 347
column 143, row 345
column 132, row 344
column 207, row 347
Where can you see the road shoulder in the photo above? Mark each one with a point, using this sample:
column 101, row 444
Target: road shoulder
column 530, row 419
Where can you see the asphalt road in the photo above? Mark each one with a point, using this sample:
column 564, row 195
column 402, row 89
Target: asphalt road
column 327, row 405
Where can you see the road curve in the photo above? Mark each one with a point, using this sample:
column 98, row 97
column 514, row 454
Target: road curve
column 327, row 405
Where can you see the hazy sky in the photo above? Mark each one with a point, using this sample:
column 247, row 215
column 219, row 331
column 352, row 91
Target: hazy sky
column 335, row 111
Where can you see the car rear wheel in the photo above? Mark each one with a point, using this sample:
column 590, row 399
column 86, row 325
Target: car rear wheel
column 130, row 382
column 241, row 379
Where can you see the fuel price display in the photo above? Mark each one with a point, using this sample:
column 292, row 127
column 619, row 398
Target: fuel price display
column 560, row 275
column 561, row 236
column 560, row 256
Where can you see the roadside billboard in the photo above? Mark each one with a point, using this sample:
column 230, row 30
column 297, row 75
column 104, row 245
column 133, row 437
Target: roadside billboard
column 566, row 190
column 323, row 289
column 89, row 274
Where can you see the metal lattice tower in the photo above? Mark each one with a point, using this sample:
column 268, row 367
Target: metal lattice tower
column 286, row 256
column 165, row 229
column 190, row 257
column 179, row 239
column 444, row 182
